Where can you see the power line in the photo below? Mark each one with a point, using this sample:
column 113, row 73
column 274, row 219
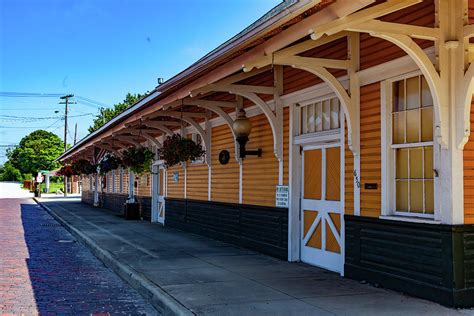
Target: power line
column 79, row 99
column 28, row 94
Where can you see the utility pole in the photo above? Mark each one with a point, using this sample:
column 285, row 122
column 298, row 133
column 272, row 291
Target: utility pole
column 75, row 134
column 66, row 98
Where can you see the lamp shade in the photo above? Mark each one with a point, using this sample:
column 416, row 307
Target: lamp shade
column 242, row 125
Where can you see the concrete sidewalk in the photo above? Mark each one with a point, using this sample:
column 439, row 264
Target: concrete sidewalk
column 184, row 273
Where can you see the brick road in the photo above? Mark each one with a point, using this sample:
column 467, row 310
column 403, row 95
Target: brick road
column 44, row 270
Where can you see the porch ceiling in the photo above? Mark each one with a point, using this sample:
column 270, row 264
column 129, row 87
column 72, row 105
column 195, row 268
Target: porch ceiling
column 217, row 89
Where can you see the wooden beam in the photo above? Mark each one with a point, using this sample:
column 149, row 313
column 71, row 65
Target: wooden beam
column 309, row 61
column 293, row 50
column 243, row 75
column 175, row 114
column 211, row 103
column 160, row 126
column 371, row 13
column 234, row 88
column 376, row 26
column 469, row 30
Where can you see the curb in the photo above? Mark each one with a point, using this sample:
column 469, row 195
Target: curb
column 157, row 297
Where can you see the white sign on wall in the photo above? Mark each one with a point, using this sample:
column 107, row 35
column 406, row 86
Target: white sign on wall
column 282, row 196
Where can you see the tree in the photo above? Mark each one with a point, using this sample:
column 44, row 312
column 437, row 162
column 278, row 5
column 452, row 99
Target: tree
column 106, row 114
column 36, row 151
column 9, row 173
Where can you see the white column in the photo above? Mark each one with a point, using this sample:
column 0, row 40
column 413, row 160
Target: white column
column 131, row 187
column 294, row 220
column 96, row 189
column 47, row 183
column 449, row 193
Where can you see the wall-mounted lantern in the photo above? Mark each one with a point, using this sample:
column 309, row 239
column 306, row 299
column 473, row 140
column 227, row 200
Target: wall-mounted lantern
column 242, row 128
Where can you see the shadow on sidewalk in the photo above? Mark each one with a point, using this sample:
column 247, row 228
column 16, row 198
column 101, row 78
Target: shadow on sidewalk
column 65, row 277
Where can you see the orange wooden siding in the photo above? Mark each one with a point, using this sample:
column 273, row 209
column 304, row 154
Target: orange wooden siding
column 197, row 181
column 144, row 185
column 225, row 178
column 471, row 11
column 176, row 190
column 260, row 175
column 469, row 174
column 370, row 156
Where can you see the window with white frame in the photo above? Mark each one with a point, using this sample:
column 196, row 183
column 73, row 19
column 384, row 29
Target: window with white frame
column 320, row 116
column 412, row 147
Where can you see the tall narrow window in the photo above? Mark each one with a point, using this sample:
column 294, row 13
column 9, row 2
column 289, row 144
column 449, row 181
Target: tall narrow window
column 412, row 144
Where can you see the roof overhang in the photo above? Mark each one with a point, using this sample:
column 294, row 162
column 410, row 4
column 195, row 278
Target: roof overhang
column 275, row 18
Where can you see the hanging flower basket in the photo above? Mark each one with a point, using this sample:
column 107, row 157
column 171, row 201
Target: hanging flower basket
column 177, row 149
column 137, row 159
column 66, row 171
column 83, row 166
column 109, row 163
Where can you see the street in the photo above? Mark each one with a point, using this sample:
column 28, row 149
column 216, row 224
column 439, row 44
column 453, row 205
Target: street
column 44, row 270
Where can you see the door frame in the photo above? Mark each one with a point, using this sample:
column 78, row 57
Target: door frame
column 296, row 178
column 157, row 169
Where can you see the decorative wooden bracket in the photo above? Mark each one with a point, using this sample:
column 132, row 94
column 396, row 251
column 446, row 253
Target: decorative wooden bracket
column 108, row 148
column 250, row 92
column 226, row 117
column 159, row 126
column 371, row 13
column 129, row 139
column 144, row 133
column 317, row 66
column 435, row 82
column 188, row 118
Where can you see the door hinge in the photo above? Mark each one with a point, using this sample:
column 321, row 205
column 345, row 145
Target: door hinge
column 301, row 150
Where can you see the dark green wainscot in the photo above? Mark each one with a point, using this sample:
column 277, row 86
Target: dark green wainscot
column 261, row 228
column 434, row 262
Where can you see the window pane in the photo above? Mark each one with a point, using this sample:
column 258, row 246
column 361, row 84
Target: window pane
column 429, row 197
column 304, row 115
column 399, row 96
column 428, row 174
column 402, row 195
column 413, row 126
column 311, row 118
column 426, row 98
column 416, row 163
column 402, row 163
column 335, row 113
column 427, row 124
column 416, row 196
column 413, row 93
column 398, row 127
column 319, row 116
column 326, row 115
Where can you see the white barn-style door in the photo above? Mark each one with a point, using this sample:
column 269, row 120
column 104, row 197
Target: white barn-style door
column 158, row 198
column 321, row 207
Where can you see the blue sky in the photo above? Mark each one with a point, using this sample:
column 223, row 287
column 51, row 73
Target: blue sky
column 102, row 49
